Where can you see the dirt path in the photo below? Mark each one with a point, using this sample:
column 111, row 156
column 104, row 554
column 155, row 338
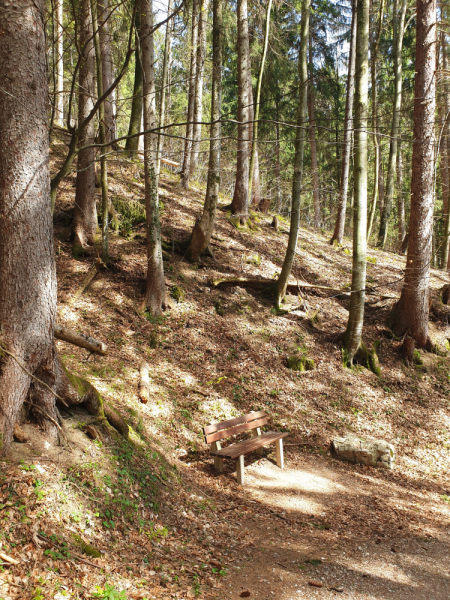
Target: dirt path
column 328, row 524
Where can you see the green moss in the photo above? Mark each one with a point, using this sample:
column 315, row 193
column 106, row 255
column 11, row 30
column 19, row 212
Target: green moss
column 154, row 339
column 253, row 259
column 300, row 363
column 86, row 548
column 219, row 308
column 178, row 293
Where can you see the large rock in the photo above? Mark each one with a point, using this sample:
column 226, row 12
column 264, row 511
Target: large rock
column 374, row 453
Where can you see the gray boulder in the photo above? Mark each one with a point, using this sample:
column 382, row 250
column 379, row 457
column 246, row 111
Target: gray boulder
column 374, row 453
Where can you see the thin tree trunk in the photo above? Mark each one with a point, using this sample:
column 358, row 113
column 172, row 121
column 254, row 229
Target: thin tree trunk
column 376, row 142
column 27, row 265
column 399, row 26
column 107, row 67
column 132, row 144
column 278, row 160
column 445, row 148
column 400, row 198
column 239, row 206
column 186, row 170
column 352, row 335
column 154, row 300
column 103, row 133
column 202, row 231
column 339, row 228
column 253, row 159
column 411, row 312
column 283, row 279
column 164, row 85
column 60, row 64
column 198, row 99
column 312, row 140
column 84, row 224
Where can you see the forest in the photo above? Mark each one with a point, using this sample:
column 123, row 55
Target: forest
column 225, row 218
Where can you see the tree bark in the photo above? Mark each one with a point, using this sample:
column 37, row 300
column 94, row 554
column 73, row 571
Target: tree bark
column 400, row 197
column 60, row 64
column 376, row 141
column 239, row 206
column 283, row 279
column 312, row 140
column 444, row 165
column 132, row 144
column 202, row 231
column 352, row 335
column 84, row 224
column 107, row 68
column 186, row 171
column 27, row 265
column 338, row 234
column 198, row 93
column 103, row 133
column 411, row 312
column 254, row 166
column 154, row 300
column 399, row 26
column 164, row 85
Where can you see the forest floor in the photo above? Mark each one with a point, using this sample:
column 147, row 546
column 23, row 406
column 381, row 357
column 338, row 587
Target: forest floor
column 161, row 521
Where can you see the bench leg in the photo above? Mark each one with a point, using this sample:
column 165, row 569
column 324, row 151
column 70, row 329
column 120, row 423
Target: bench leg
column 255, row 433
column 240, row 470
column 279, row 453
column 218, row 462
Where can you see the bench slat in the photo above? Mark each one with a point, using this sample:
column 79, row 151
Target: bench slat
column 232, row 422
column 220, row 435
column 246, row 446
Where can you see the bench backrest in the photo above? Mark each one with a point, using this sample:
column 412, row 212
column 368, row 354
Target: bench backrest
column 224, row 429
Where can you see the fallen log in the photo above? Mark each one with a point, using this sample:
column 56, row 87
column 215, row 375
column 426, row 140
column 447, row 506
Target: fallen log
column 80, row 340
column 165, row 161
column 144, row 382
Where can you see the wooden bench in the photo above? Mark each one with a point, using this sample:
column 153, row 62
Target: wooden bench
column 251, row 422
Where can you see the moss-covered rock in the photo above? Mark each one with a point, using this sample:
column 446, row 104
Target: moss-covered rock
column 178, row 294
column 87, row 549
column 300, row 363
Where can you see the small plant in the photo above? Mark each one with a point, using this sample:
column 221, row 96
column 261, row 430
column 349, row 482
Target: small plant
column 372, row 259
column 38, row 594
column 445, row 498
column 109, row 592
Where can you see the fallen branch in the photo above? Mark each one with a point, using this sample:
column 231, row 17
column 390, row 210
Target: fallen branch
column 87, row 280
column 165, row 161
column 72, row 554
column 144, row 383
column 80, row 340
column 9, row 559
column 291, row 287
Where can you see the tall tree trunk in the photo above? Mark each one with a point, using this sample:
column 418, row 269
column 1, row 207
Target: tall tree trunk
column 27, row 265
column 164, row 85
column 278, row 159
column 202, row 231
column 84, row 224
column 107, row 67
column 376, row 141
column 399, row 26
column 283, row 279
column 400, row 197
column 254, row 168
column 410, row 314
column 186, row 170
column 338, row 233
column 132, row 144
column 103, row 133
column 254, row 190
column 198, row 99
column 60, row 64
column 352, row 335
column 155, row 295
column 239, row 206
column 445, row 150
column 312, row 140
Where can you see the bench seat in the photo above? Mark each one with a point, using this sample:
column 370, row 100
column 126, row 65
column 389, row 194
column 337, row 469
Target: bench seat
column 246, row 446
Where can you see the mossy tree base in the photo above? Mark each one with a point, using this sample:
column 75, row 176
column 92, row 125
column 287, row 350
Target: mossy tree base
column 364, row 357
